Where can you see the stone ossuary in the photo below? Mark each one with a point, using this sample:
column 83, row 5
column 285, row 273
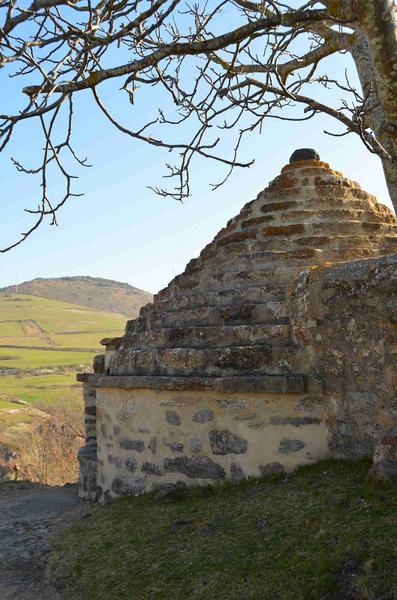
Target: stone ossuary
column 274, row 348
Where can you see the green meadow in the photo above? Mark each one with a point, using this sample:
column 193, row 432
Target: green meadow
column 41, row 334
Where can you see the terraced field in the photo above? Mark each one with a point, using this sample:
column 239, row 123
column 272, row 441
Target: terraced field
column 43, row 343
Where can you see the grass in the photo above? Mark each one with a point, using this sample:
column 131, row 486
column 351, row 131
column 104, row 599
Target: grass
column 9, row 329
column 55, row 318
column 37, row 389
column 323, row 534
column 33, row 321
column 36, row 359
column 85, row 340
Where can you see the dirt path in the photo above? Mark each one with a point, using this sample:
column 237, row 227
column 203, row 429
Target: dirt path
column 32, row 329
column 29, row 513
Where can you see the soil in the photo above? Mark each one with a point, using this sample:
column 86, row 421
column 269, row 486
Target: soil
column 29, row 514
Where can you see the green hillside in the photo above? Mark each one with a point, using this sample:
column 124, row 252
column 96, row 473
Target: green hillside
column 322, row 533
column 39, row 334
column 93, row 292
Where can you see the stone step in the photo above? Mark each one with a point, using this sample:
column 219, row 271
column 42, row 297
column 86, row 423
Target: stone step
column 264, row 313
column 317, row 215
column 272, row 194
column 271, row 384
column 280, row 206
column 301, row 250
column 214, row 362
column 250, row 295
column 278, row 276
column 259, row 256
column 205, row 336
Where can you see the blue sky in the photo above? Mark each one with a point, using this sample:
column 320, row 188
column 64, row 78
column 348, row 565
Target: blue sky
column 120, row 229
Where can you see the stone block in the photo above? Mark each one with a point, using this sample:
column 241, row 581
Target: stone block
column 195, row 467
column 273, row 468
column 226, row 442
column 288, row 446
column 128, row 487
column 196, row 443
column 173, row 418
column 203, row 416
column 236, row 472
column 128, row 444
column 150, row 469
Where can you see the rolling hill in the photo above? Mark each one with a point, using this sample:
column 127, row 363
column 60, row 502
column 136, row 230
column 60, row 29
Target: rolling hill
column 46, row 337
column 94, row 292
column 44, row 342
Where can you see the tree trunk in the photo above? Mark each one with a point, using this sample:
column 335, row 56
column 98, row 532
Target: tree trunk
column 375, row 54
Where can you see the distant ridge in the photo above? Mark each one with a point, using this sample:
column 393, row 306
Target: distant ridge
column 93, row 292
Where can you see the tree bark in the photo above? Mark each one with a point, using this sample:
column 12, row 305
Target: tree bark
column 375, row 54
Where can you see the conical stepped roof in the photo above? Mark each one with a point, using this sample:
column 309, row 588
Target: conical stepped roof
column 223, row 323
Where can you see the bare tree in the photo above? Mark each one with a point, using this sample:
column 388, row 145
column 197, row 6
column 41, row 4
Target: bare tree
column 220, row 67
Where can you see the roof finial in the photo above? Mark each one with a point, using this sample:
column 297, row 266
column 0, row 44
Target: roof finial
column 304, row 154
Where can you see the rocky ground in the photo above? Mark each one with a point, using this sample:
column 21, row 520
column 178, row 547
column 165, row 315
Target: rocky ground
column 29, row 513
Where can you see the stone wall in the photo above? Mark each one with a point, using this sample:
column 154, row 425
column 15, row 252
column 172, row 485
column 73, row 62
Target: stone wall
column 148, row 438
column 346, row 318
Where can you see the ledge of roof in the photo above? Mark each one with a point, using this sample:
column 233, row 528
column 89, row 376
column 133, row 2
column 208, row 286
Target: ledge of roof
column 272, row 384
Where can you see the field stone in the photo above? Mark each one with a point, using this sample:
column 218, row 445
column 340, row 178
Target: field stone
column 131, row 464
column 203, row 416
column 196, row 443
column 195, row 467
column 287, row 446
column 128, row 444
column 128, row 487
column 114, row 460
column 173, row 418
column 150, row 468
column 153, row 444
column 175, row 446
column 294, row 421
column 170, row 491
column 384, row 468
column 224, row 442
column 236, row 472
column 273, row 468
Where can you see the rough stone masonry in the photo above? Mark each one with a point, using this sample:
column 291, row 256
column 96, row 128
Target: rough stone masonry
column 276, row 347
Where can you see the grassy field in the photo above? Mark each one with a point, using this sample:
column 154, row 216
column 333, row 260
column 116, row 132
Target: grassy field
column 38, row 333
column 325, row 533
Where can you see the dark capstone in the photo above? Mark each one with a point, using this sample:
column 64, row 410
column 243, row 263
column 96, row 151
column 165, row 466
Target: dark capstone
column 196, row 467
column 304, row 154
column 287, row 446
column 273, row 468
column 295, row 421
column 130, row 463
column 127, row 444
column 203, row 416
column 236, row 472
column 150, row 468
column 225, row 442
column 116, row 430
column 153, row 444
column 173, row 418
column 114, row 460
column 128, row 487
column 175, row 446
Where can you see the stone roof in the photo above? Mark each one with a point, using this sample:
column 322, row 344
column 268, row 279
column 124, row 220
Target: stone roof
column 225, row 319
